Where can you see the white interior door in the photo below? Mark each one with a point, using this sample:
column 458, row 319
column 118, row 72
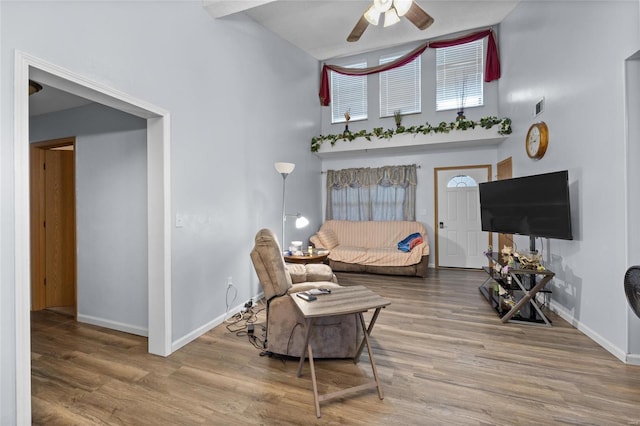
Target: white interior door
column 461, row 242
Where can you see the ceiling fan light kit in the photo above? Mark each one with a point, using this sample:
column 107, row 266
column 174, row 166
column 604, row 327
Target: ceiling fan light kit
column 391, row 17
column 382, row 5
column 402, row 6
column 393, row 10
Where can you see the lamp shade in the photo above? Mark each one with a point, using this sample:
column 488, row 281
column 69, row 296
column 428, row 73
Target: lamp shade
column 301, row 222
column 284, row 167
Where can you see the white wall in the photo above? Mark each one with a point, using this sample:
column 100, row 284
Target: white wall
column 111, row 212
column 112, row 230
column 632, row 74
column 240, row 99
column 572, row 54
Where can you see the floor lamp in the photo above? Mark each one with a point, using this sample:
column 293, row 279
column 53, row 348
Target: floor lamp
column 285, row 169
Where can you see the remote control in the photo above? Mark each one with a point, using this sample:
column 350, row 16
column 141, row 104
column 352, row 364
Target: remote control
column 317, row 291
column 306, row 296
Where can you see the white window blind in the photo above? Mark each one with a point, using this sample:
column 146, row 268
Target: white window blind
column 400, row 88
column 459, row 76
column 348, row 93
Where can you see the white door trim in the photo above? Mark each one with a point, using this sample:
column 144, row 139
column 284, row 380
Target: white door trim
column 436, row 228
column 159, row 209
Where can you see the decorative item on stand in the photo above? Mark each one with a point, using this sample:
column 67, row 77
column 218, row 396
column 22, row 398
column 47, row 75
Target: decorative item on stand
column 461, row 103
column 285, row 169
column 397, row 117
column 295, row 248
column 347, row 117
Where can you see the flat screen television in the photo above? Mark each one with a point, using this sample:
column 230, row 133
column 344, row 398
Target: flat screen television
column 537, row 206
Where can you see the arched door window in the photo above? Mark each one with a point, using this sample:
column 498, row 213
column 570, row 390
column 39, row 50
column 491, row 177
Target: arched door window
column 462, row 181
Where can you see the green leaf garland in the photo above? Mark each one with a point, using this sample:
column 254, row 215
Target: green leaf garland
column 424, row 129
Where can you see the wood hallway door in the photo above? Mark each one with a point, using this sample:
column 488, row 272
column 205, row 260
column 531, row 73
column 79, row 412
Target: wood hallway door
column 53, row 225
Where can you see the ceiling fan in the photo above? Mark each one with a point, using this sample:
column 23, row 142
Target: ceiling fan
column 392, row 10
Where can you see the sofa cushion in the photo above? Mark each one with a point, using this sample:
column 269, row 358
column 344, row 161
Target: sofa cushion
column 328, row 238
column 381, row 256
column 373, row 234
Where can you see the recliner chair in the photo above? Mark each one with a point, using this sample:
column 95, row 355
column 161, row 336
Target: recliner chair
column 331, row 337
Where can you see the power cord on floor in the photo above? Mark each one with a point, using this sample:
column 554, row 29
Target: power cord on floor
column 244, row 324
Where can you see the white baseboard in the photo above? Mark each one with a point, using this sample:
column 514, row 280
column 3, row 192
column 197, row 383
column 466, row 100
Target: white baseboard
column 114, row 325
column 606, row 344
column 190, row 337
column 633, row 359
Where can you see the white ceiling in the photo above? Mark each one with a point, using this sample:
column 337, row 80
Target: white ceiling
column 321, row 27
column 50, row 99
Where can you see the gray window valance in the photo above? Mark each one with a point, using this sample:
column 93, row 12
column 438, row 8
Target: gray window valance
column 382, row 193
column 386, row 176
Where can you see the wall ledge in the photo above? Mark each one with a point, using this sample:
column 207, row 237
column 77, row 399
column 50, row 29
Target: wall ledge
column 408, row 142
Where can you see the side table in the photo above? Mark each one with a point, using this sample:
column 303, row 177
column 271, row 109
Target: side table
column 341, row 301
column 304, row 259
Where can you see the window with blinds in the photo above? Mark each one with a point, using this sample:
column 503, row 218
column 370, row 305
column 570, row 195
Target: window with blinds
column 400, row 88
column 460, row 76
column 348, row 93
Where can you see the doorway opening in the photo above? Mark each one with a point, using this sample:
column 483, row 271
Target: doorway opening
column 158, row 208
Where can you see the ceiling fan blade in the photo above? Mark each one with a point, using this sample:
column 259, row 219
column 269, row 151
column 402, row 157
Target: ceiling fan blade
column 357, row 31
column 419, row 17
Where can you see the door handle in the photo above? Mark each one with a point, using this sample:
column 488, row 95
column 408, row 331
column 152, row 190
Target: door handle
column 441, row 225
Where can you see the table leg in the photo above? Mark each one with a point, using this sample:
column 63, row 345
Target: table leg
column 366, row 340
column 367, row 331
column 316, row 398
column 307, row 326
column 526, row 298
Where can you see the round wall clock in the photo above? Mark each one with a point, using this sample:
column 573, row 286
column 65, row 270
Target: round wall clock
column 537, row 140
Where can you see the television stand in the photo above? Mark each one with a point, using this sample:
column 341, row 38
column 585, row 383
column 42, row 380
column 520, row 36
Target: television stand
column 513, row 295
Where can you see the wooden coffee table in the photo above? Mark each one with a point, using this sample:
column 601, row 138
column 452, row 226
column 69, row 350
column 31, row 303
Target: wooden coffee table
column 341, row 301
column 304, row 259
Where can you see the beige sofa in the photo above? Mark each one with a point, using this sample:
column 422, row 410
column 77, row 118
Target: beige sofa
column 372, row 247
column 331, row 337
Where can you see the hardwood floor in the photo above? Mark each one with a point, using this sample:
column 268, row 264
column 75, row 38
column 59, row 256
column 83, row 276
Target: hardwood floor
column 442, row 355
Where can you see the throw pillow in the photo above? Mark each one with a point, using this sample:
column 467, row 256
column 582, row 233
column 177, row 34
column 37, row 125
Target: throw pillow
column 328, row 238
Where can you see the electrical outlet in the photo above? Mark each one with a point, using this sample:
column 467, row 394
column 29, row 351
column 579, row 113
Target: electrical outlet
column 230, row 281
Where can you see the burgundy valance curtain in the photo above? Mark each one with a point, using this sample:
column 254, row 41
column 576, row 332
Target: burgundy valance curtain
column 492, row 66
